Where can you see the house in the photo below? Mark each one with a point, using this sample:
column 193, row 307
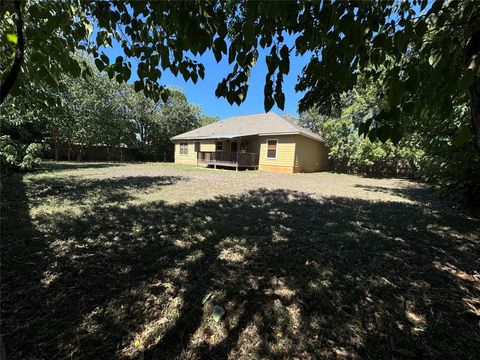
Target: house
column 265, row 142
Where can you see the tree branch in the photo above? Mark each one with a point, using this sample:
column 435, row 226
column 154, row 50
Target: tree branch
column 19, row 55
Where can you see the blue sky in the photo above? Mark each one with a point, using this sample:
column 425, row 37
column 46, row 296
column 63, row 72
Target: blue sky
column 203, row 92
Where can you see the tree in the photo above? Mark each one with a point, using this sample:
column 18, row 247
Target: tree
column 348, row 150
column 207, row 120
column 176, row 115
column 379, row 39
column 140, row 111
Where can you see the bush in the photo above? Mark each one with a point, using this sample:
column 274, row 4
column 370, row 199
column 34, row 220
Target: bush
column 353, row 153
column 15, row 156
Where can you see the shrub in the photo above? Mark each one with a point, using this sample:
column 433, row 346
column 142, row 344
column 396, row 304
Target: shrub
column 15, row 155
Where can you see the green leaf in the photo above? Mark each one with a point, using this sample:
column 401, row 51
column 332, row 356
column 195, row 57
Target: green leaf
column 138, row 85
column 280, row 100
column 300, row 44
column 463, row 136
column 231, row 53
column 105, row 59
column 396, row 91
column 435, row 58
column 99, row 64
column 164, row 95
column 218, row 54
column 364, row 127
column 12, row 38
column 396, row 134
column 75, row 69
column 268, row 103
column 165, row 58
column 219, row 47
column 218, row 312
column 220, row 44
column 383, row 133
column 466, row 80
column 194, row 76
column 221, row 89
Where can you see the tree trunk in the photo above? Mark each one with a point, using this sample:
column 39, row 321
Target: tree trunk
column 69, row 148
column 19, row 54
column 56, row 150
column 472, row 50
column 475, row 109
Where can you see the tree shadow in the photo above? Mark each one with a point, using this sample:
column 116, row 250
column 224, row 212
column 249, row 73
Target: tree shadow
column 117, row 189
column 53, row 166
column 414, row 193
column 298, row 277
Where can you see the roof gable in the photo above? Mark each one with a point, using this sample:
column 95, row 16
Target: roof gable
column 247, row 125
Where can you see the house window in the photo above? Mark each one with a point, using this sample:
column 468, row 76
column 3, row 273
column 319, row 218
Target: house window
column 183, row 148
column 219, row 146
column 197, row 146
column 272, row 149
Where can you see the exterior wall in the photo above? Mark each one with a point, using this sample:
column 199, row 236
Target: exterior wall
column 207, row 145
column 285, row 160
column 191, row 157
column 253, row 146
column 310, row 155
column 188, row 159
column 295, row 153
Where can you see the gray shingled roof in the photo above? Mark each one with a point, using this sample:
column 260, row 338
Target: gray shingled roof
column 246, row 125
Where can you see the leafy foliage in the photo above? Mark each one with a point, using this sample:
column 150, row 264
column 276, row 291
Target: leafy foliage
column 352, row 152
column 99, row 111
column 15, row 155
column 430, row 150
column 382, row 40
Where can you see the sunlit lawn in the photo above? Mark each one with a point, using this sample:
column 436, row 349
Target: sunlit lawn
column 123, row 261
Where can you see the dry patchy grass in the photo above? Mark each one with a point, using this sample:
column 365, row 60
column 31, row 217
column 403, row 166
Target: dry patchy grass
column 114, row 260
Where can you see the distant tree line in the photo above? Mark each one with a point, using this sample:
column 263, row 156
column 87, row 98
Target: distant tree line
column 65, row 120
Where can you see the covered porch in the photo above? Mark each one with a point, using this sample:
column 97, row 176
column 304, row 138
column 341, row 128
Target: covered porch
column 230, row 151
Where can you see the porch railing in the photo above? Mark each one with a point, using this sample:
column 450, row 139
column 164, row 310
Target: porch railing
column 224, row 158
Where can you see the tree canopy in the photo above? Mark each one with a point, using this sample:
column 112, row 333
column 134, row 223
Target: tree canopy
column 422, row 54
column 97, row 112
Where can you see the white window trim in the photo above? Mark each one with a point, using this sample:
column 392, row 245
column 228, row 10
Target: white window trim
column 276, row 149
column 216, row 142
column 180, row 147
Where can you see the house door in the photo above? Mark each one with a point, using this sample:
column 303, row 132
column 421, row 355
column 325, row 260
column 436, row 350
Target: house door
column 233, row 146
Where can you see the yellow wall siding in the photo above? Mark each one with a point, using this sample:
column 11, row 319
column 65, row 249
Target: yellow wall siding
column 285, row 151
column 295, row 153
column 207, row 145
column 310, row 155
column 190, row 158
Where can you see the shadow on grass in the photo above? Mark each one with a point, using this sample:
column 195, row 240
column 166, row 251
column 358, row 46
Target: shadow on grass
column 415, row 193
column 53, row 166
column 297, row 276
column 117, row 189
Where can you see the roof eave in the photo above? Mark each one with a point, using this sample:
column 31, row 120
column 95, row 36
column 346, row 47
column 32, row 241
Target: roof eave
column 293, row 133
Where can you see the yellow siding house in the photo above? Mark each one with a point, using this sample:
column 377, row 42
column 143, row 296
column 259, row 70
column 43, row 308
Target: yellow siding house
column 265, row 142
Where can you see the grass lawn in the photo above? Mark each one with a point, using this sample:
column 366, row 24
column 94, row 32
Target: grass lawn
column 105, row 261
